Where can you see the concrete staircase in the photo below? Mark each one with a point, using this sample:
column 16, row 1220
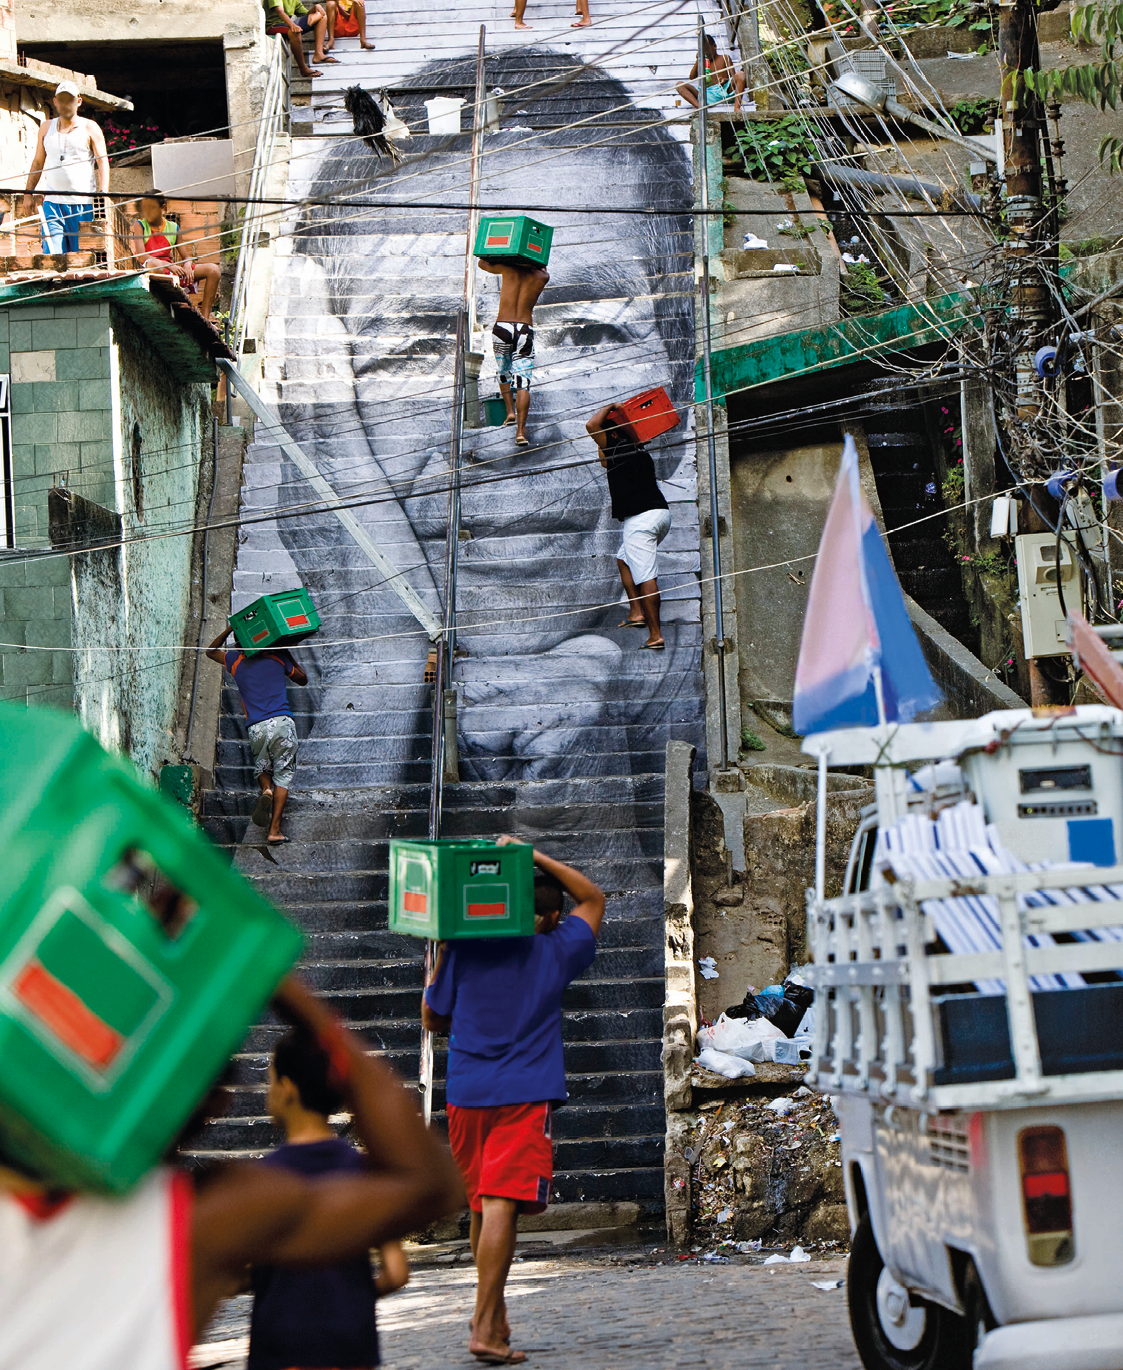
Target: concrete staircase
column 563, row 720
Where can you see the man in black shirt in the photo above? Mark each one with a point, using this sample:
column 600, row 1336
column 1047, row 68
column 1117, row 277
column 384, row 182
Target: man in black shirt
column 638, row 503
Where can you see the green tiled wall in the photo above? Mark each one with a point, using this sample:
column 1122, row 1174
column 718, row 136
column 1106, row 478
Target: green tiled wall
column 35, row 599
column 62, row 428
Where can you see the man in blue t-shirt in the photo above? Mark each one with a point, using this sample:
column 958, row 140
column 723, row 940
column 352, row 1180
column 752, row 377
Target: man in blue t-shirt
column 262, row 681
column 499, row 999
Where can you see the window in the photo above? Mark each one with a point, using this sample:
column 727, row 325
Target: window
column 138, row 488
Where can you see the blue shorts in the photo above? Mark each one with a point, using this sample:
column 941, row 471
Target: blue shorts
column 721, row 93
column 514, row 353
column 60, row 224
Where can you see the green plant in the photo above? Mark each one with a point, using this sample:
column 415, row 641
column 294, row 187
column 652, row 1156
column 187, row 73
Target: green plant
column 750, row 742
column 1094, row 83
column 990, row 563
column 780, row 150
column 794, row 230
column 860, row 290
column 1086, row 247
column 953, row 487
column 975, row 115
column 768, row 715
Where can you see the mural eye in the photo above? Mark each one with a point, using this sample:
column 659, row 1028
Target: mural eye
column 591, row 335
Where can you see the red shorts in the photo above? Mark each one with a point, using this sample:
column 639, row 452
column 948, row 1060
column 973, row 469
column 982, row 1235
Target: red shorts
column 505, row 1152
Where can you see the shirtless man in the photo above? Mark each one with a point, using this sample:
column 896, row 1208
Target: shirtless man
column 513, row 335
column 142, row 1274
column 723, row 81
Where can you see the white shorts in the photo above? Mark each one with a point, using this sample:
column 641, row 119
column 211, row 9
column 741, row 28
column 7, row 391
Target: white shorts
column 642, row 535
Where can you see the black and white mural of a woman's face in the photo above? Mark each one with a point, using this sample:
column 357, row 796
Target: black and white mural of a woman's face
column 548, row 687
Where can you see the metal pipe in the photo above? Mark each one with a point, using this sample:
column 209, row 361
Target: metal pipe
column 821, row 829
column 707, row 371
column 877, row 180
column 446, row 647
column 452, row 536
column 474, row 194
column 203, row 596
column 856, row 87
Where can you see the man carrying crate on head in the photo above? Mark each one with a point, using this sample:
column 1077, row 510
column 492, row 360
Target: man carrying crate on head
column 641, row 506
column 500, row 1002
column 262, row 683
column 513, row 334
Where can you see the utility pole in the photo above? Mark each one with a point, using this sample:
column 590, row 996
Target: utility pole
column 1025, row 215
column 1030, row 312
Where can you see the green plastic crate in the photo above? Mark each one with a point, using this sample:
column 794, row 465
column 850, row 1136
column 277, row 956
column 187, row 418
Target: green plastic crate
column 516, row 237
column 280, row 620
column 133, row 959
column 449, row 889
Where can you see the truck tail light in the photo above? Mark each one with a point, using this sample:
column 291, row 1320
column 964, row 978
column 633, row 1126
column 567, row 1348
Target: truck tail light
column 1046, row 1195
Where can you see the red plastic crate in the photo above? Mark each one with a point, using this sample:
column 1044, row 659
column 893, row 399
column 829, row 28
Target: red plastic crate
column 649, row 414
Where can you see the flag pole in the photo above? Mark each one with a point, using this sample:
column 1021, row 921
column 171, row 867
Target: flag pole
column 821, row 829
column 879, row 693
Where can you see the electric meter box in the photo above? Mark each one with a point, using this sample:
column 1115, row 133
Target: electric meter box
column 649, row 415
column 1043, row 619
column 1054, row 788
column 517, row 239
column 133, row 960
column 451, row 888
column 280, row 620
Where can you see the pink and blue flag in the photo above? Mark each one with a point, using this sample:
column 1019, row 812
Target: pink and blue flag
column 856, row 625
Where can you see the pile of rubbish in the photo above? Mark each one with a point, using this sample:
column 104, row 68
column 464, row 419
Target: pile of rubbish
column 767, row 1172
column 772, row 1024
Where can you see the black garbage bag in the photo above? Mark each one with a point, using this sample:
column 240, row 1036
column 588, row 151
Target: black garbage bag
column 784, row 1013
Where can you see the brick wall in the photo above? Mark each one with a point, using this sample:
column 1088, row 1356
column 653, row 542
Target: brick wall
column 7, row 30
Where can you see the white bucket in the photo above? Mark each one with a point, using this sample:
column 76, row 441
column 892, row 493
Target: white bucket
column 444, row 113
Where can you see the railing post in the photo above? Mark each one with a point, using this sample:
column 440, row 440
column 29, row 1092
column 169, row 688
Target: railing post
column 711, row 441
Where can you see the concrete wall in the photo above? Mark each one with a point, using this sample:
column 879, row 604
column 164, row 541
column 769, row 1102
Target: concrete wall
column 51, row 21
column 136, row 597
column 780, row 503
column 83, row 381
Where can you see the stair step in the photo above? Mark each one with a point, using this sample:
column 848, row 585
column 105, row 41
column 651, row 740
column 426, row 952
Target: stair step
column 563, row 721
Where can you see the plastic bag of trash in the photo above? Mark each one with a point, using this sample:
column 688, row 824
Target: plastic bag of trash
column 721, row 1063
column 785, row 1009
column 747, row 1038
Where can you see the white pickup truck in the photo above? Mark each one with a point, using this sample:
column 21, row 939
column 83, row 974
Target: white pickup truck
column 969, row 1024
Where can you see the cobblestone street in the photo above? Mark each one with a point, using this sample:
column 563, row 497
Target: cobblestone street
column 615, row 1314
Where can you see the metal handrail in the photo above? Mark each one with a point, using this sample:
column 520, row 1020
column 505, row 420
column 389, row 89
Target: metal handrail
column 274, row 121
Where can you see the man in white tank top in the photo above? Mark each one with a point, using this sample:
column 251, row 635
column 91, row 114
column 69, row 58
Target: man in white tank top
column 93, row 1283
column 70, row 165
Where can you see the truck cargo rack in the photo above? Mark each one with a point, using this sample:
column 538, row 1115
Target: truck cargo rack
column 898, row 1019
